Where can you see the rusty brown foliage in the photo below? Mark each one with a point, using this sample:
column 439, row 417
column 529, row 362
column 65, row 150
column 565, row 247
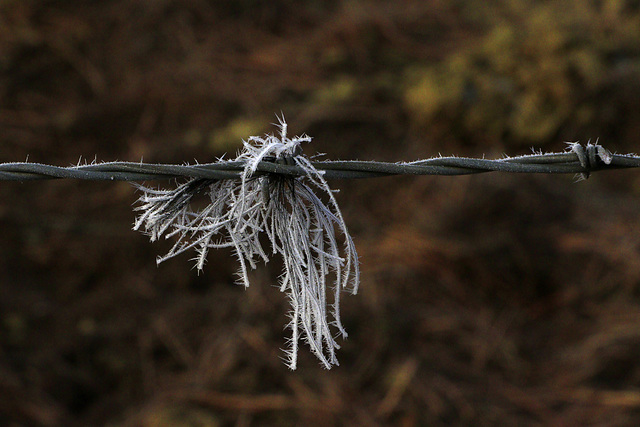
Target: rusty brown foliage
column 509, row 300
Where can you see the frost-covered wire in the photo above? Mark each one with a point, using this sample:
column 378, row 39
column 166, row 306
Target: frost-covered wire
column 265, row 202
column 577, row 159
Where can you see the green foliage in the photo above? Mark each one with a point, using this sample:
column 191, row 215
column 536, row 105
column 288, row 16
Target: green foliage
column 341, row 90
column 530, row 76
column 227, row 139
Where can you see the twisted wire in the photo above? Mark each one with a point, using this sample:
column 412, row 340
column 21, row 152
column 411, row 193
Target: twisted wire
column 578, row 159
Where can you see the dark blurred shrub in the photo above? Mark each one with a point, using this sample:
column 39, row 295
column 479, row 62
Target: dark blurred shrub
column 531, row 75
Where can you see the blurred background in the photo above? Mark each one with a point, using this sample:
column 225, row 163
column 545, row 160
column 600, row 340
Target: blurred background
column 486, row 299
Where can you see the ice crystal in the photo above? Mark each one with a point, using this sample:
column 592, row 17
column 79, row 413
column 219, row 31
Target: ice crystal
column 298, row 224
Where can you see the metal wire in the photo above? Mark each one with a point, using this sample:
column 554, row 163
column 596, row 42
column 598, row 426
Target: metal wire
column 578, row 159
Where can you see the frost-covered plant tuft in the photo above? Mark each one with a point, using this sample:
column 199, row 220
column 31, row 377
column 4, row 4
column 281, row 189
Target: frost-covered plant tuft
column 299, row 226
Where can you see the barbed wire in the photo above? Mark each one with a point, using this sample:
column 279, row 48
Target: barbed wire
column 281, row 208
column 578, row 159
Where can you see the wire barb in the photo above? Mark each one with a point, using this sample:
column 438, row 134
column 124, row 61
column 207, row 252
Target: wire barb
column 590, row 156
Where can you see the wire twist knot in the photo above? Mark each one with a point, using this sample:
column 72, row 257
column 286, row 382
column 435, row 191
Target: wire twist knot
column 591, row 156
column 285, row 158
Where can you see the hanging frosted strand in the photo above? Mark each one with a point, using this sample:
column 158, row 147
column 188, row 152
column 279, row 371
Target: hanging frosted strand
column 310, row 235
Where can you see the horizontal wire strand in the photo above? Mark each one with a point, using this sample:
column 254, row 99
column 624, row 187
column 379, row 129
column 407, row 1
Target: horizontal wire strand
column 579, row 160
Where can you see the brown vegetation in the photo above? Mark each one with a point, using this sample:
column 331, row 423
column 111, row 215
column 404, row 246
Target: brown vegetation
column 489, row 299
